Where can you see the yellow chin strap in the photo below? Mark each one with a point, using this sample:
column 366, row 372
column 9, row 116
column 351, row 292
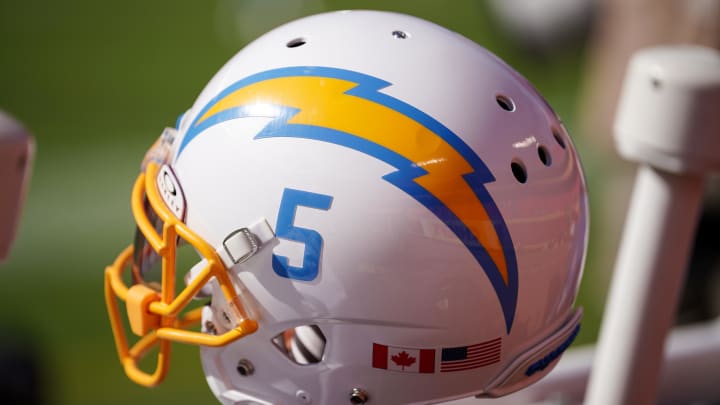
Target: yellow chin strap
column 156, row 316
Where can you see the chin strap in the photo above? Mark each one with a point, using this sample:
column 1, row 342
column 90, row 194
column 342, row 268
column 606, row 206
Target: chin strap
column 238, row 247
column 243, row 243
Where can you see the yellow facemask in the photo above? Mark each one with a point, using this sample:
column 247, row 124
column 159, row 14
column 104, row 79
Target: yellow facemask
column 157, row 313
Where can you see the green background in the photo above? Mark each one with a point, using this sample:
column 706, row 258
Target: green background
column 96, row 82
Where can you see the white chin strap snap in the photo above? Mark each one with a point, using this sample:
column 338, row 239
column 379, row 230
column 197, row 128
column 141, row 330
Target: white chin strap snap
column 243, row 243
column 238, row 246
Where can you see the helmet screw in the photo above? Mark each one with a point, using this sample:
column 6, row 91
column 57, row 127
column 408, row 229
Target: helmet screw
column 303, row 396
column 399, row 34
column 358, row 396
column 245, row 368
column 210, row 327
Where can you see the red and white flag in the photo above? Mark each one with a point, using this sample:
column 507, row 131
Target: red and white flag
column 403, row 359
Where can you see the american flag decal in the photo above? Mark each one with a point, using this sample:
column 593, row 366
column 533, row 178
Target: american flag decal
column 469, row 357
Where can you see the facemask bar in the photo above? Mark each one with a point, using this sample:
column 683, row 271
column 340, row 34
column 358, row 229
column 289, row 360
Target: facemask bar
column 156, row 315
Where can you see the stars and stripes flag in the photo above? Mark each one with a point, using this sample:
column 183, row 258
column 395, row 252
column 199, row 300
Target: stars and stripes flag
column 469, row 357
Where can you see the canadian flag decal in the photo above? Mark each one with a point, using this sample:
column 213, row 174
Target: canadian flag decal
column 403, row 359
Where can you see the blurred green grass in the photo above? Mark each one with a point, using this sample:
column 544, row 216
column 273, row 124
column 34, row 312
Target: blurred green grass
column 96, row 82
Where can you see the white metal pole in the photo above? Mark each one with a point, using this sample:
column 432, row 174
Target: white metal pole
column 645, row 289
column 668, row 122
column 16, row 155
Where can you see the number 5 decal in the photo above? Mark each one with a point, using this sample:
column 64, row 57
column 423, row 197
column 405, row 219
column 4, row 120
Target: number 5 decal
column 291, row 200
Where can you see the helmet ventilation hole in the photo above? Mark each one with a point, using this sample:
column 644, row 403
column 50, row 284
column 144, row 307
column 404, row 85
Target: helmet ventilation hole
column 544, row 155
column 296, row 42
column 400, row 34
column 505, row 102
column 303, row 344
column 518, row 170
column 656, row 84
column 558, row 138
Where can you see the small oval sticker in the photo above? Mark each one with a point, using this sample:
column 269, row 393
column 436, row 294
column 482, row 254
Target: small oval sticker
column 171, row 192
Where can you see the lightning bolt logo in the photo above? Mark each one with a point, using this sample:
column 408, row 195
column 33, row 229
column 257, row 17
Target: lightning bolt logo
column 434, row 165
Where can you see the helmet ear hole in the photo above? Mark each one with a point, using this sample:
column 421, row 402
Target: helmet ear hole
column 303, row 344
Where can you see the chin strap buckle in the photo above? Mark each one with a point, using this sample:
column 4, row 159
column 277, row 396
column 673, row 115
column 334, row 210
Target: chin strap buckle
column 241, row 244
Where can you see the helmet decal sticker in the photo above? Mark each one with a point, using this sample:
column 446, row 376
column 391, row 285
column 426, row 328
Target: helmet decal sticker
column 434, row 166
column 171, row 191
column 469, row 357
column 415, row 360
column 403, row 359
column 286, row 229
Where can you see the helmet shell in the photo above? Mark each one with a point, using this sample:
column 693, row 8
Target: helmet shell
column 317, row 127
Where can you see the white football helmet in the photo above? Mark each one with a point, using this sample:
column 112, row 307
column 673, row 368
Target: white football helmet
column 384, row 213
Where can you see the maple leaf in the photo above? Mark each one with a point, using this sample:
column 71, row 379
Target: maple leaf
column 403, row 359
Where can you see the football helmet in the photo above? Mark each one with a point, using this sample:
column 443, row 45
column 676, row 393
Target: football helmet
column 381, row 211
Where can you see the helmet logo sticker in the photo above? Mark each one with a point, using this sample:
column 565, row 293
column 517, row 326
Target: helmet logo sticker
column 434, row 165
column 170, row 190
